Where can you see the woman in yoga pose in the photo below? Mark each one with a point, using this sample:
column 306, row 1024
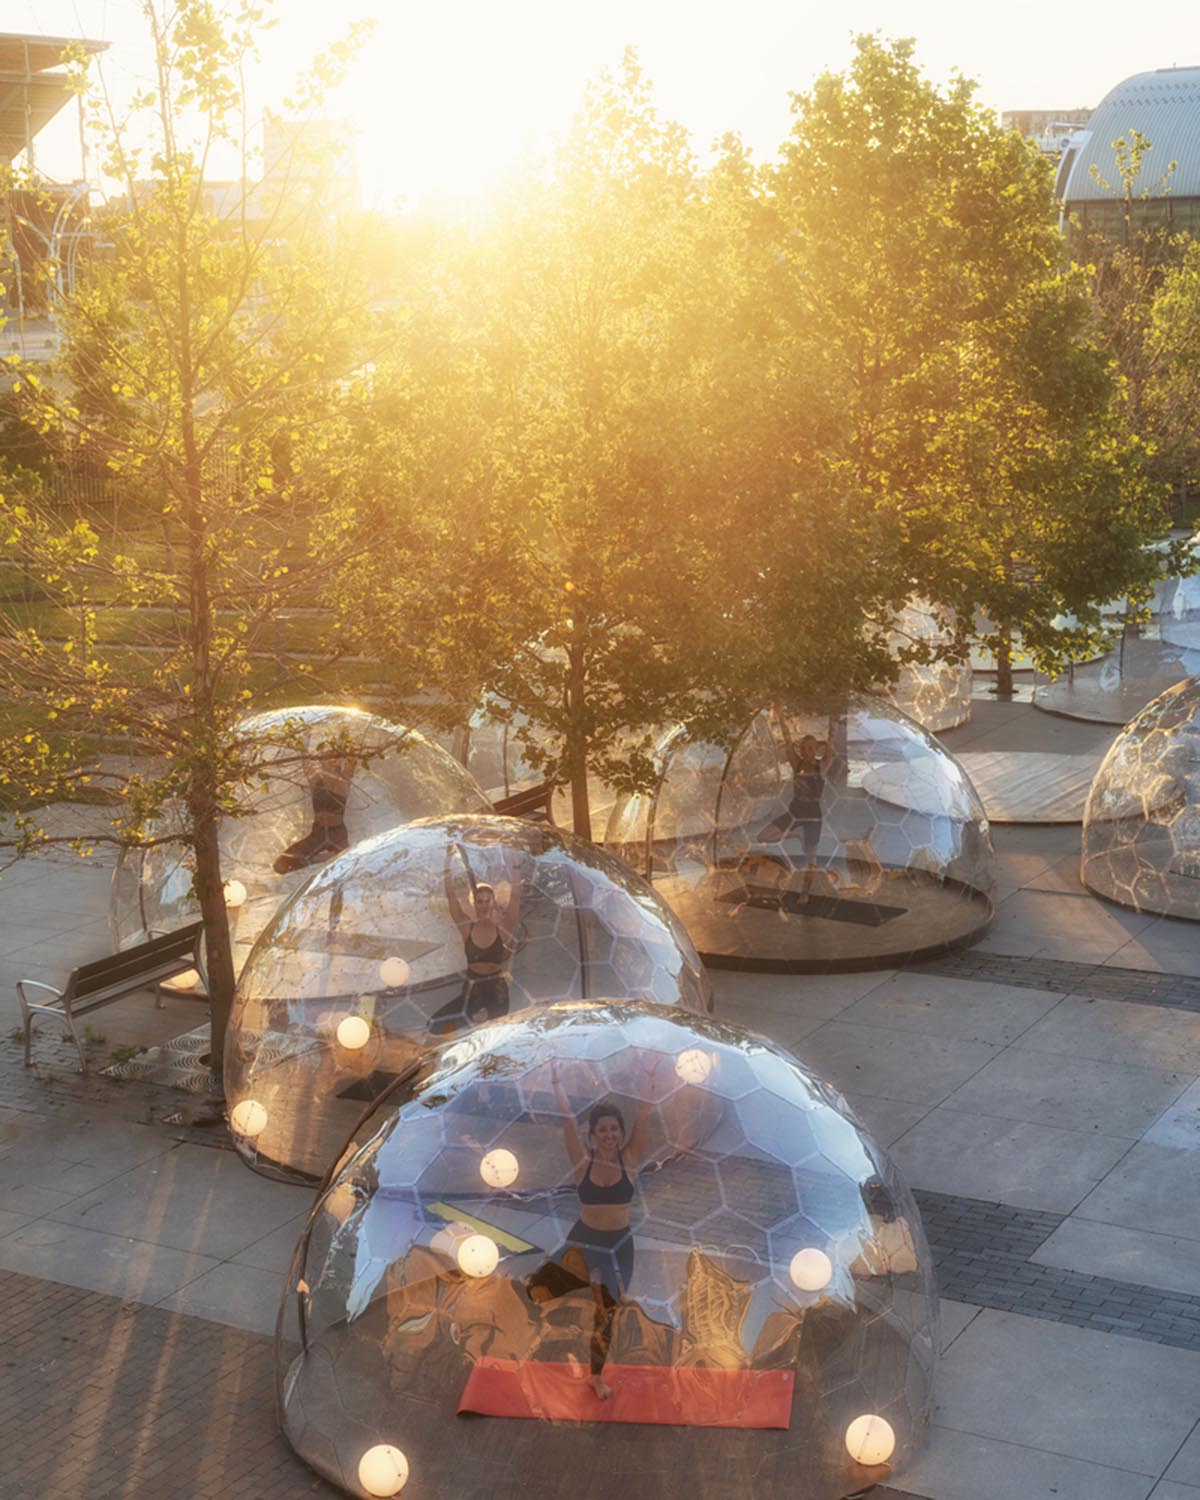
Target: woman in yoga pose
column 804, row 813
column 606, row 1167
column 489, row 936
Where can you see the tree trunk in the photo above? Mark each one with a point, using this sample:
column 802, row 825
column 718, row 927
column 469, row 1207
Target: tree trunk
column 210, row 892
column 1004, row 667
column 577, row 745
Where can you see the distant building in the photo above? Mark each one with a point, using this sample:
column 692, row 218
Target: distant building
column 1050, row 129
column 1163, row 106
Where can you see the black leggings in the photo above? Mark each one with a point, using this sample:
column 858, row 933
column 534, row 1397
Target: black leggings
column 608, row 1253
column 481, row 992
column 788, row 825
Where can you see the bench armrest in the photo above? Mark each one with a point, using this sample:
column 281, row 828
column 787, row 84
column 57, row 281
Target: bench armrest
column 36, row 984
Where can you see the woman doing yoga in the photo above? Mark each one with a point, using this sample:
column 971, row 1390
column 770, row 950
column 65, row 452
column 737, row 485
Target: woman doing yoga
column 605, row 1169
column 489, row 936
column 804, row 811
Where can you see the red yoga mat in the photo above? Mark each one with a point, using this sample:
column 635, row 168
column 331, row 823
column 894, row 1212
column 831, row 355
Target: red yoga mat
column 640, row 1393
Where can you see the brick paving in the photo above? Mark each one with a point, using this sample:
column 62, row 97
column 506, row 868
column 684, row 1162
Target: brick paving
column 1100, row 981
column 115, row 1401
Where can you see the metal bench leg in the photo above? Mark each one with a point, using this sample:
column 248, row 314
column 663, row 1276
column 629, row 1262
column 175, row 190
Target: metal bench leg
column 77, row 1039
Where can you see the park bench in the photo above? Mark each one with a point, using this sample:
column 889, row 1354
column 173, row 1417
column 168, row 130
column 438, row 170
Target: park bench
column 535, row 803
column 107, row 979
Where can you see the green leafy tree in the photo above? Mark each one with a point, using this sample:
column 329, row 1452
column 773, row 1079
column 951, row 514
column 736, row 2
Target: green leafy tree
column 193, row 359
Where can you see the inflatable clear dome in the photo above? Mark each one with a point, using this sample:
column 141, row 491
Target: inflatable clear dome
column 823, row 840
column 1141, row 830
column 328, row 777
column 937, row 694
column 413, row 938
column 609, row 1250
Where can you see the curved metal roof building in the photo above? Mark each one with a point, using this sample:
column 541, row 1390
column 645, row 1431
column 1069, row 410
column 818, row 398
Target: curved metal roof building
column 1164, row 106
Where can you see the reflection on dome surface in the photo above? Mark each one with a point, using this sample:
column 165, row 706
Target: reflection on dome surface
column 328, row 776
column 821, row 841
column 1141, row 831
column 688, row 1231
column 414, row 937
column 936, row 694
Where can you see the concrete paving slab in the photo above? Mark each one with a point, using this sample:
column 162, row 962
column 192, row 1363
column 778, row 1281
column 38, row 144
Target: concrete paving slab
column 1075, row 1095
column 1169, row 945
column 798, row 995
column 1153, row 1188
column 274, row 1251
column 1169, row 1490
column 963, row 1010
column 1185, row 1466
column 1074, row 927
column 194, row 1199
column 11, row 1221
column 954, row 1318
column 122, row 1267
column 1144, row 1036
column 1005, row 1161
column 238, row 1295
column 900, row 1065
column 964, row 1466
column 28, row 1197
column 1099, row 1398
column 1179, row 1126
column 1062, row 876
column 886, row 1119
column 1137, row 1255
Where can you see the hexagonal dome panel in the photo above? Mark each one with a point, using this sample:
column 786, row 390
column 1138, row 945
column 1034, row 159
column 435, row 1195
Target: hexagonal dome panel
column 1141, row 829
column 326, row 777
column 545, row 1309
column 414, row 937
column 937, row 694
column 824, row 840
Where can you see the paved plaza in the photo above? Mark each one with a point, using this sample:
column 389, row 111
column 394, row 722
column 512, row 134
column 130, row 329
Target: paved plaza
column 1040, row 1093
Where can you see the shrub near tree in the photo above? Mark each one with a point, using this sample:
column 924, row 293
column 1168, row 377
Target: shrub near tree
column 193, row 359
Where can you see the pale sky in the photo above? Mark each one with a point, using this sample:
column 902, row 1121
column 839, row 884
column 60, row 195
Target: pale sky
column 450, row 95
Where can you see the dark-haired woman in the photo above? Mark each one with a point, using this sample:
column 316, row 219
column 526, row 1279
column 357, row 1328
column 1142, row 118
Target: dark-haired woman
column 489, row 934
column 606, row 1167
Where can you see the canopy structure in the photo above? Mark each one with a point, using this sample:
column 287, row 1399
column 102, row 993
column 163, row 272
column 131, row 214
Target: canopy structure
column 32, row 87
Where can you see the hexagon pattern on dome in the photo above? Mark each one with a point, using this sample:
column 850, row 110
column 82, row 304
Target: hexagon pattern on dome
column 1141, row 830
column 836, row 840
column 591, row 1226
column 937, row 694
column 415, row 937
column 328, row 777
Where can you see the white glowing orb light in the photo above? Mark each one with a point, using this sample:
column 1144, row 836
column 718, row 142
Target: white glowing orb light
column 383, row 1470
column 694, row 1065
column 235, row 894
column 188, row 980
column 870, row 1440
column 394, row 973
column 353, row 1033
column 478, row 1255
column 811, row 1270
column 249, row 1119
column 499, row 1168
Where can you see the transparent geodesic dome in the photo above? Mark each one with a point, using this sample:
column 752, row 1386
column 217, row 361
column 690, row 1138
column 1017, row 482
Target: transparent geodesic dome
column 1141, row 830
column 327, row 777
column 872, row 849
column 937, row 694
column 761, row 1307
column 384, row 952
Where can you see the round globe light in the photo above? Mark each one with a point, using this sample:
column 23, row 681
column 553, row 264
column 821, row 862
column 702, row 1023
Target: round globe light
column 235, row 894
column 499, row 1168
column 478, row 1255
column 353, row 1033
column 811, row 1270
column 249, row 1118
column 383, row 1470
column 870, row 1440
column 694, row 1065
column 394, row 973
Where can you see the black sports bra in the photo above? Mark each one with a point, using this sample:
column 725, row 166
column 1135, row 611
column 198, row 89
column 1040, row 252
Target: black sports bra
column 496, row 952
column 619, row 1192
